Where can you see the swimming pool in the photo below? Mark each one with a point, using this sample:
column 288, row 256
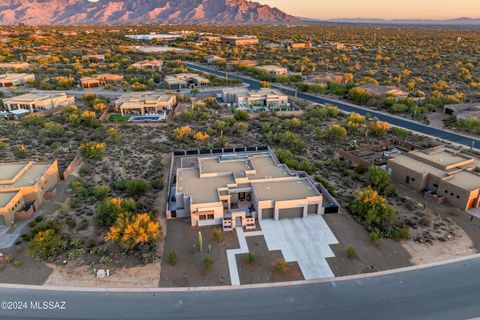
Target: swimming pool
column 149, row 118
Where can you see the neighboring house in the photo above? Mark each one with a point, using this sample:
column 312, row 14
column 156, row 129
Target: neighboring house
column 145, row 103
column 234, row 189
column 39, row 57
column 185, row 81
column 100, row 80
column 15, row 79
column 241, row 41
column 231, row 65
column 274, row 70
column 155, row 65
column 211, row 59
column 377, row 90
column 442, row 173
column 208, row 38
column 23, row 187
column 160, row 37
column 37, row 101
column 323, row 78
column 258, row 100
column 300, row 45
column 9, row 66
column 94, row 58
column 463, row 110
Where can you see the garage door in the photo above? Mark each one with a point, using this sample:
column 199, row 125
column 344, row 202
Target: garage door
column 267, row 213
column 290, row 213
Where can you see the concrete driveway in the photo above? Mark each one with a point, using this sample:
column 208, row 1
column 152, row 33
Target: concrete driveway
column 305, row 240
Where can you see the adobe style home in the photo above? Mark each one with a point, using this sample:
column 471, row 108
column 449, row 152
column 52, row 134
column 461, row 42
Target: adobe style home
column 100, row 80
column 185, row 81
column 441, row 173
column 94, row 58
column 145, row 103
column 377, row 90
column 15, row 79
column 37, row 101
column 463, row 110
column 274, row 70
column 255, row 100
column 154, row 65
column 23, row 187
column 231, row 65
column 9, row 66
column 241, row 41
column 234, row 189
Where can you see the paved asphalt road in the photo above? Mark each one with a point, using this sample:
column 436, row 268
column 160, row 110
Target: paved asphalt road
column 449, row 291
column 394, row 120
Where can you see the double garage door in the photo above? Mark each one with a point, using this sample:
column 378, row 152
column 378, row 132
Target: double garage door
column 283, row 213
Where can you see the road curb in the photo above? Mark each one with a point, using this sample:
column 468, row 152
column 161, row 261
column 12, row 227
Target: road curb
column 239, row 287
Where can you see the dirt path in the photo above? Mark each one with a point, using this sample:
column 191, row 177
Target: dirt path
column 145, row 276
column 423, row 253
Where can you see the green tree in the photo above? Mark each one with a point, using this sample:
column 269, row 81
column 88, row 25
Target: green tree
column 373, row 209
column 379, row 180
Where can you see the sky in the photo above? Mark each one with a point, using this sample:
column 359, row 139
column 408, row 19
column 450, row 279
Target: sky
column 384, row 9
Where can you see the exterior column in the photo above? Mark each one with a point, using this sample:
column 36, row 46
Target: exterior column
column 259, row 213
column 276, row 214
column 305, row 210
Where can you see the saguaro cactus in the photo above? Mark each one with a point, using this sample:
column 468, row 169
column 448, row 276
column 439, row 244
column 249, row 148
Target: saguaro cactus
column 200, row 241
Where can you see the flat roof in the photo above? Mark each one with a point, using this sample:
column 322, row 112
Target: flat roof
column 442, row 157
column 201, row 190
column 285, row 190
column 33, row 96
column 6, row 197
column 267, row 168
column 465, row 179
column 215, row 165
column 29, row 177
column 9, row 170
column 417, row 165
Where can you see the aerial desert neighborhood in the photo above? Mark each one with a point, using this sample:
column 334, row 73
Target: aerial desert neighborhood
column 168, row 159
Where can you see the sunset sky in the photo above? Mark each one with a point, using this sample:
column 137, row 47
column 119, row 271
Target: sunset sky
column 386, row 9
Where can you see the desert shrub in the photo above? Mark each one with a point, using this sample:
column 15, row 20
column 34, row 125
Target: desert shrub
column 101, row 191
column 75, row 254
column 48, row 244
column 137, row 187
column 402, row 233
column 108, row 210
column 351, row 252
column 250, row 258
column 172, row 258
column 207, row 264
column 281, row 265
column 136, row 230
column 375, row 237
column 218, row 234
column 373, row 209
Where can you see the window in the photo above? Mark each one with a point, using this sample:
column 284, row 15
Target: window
column 210, row 216
column 446, row 191
column 458, row 197
column 435, row 185
column 451, row 193
column 407, row 179
column 413, row 179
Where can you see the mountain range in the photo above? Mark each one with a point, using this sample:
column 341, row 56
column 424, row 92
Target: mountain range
column 77, row 12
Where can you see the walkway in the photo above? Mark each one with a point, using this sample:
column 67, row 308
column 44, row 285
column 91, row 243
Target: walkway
column 232, row 261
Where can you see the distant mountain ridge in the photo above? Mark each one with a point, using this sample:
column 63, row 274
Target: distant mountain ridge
column 448, row 22
column 72, row 12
